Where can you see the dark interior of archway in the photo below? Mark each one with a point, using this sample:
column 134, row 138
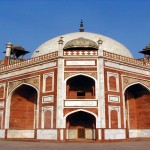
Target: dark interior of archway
column 138, row 103
column 80, row 86
column 81, row 120
column 27, row 92
column 136, row 90
column 22, row 108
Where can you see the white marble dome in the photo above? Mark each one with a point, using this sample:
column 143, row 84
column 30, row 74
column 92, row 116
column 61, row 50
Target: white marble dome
column 108, row 44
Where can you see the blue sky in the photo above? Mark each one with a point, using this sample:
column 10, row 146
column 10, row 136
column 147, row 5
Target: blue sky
column 29, row 23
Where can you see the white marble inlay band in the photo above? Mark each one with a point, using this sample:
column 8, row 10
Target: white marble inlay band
column 80, row 63
column 81, row 103
column 126, row 68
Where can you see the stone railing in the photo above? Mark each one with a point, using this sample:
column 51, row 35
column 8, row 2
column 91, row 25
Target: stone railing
column 31, row 61
column 15, row 60
column 1, row 62
column 80, row 53
column 145, row 60
column 125, row 59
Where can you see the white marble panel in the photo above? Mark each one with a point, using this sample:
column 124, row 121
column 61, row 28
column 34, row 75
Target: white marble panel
column 72, row 134
column 115, row 134
column 132, row 133
column 145, row 133
column 99, row 134
column 47, row 134
column 113, row 98
column 2, row 133
column 89, row 134
column 1, row 104
column 20, row 134
column 80, row 63
column 85, row 103
column 61, row 134
column 48, row 99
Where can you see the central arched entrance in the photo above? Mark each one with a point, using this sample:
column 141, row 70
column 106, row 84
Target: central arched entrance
column 23, row 108
column 81, row 125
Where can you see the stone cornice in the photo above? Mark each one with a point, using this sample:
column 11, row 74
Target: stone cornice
column 126, row 60
column 29, row 62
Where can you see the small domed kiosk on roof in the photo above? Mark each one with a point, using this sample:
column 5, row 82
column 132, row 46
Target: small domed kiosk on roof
column 77, row 87
column 81, row 43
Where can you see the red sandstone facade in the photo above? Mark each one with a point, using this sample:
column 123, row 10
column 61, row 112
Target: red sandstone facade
column 75, row 93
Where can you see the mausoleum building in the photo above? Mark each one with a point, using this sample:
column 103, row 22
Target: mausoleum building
column 77, row 86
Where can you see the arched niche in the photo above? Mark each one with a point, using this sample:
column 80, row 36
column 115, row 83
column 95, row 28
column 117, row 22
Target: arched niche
column 23, row 106
column 81, row 125
column 137, row 103
column 80, row 87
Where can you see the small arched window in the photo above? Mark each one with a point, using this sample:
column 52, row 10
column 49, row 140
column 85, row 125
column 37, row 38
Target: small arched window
column 47, row 119
column 80, row 87
column 48, row 85
column 112, row 83
column 1, row 91
column 114, row 119
column 1, row 119
column 48, row 82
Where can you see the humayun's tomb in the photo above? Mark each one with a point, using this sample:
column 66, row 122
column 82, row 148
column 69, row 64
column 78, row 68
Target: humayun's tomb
column 77, row 86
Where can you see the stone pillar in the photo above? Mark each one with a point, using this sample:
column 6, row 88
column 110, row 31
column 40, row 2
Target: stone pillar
column 7, row 55
column 100, row 123
column 60, row 42
column 60, row 122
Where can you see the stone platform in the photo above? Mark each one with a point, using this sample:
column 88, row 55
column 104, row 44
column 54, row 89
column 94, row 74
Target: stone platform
column 17, row 145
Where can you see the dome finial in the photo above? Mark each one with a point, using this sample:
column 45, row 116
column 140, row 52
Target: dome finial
column 81, row 26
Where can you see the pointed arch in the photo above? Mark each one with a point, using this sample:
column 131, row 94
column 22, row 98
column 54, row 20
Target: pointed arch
column 21, row 103
column 137, row 103
column 112, row 83
column 80, row 87
column 84, row 74
column 80, row 124
column 21, row 85
column 114, row 119
column 47, row 117
column 134, row 83
column 78, row 111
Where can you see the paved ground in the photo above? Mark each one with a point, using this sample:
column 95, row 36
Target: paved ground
column 13, row 145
